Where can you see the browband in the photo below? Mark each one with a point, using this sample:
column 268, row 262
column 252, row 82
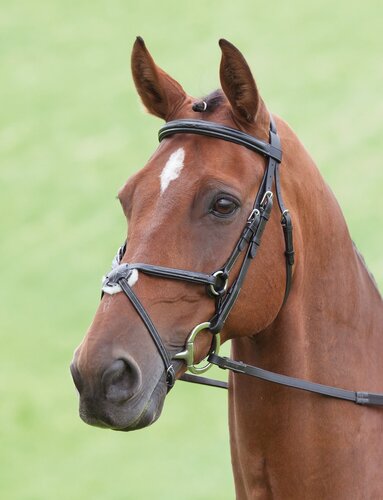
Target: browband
column 212, row 129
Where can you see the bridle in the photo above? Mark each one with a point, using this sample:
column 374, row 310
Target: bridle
column 247, row 245
column 217, row 282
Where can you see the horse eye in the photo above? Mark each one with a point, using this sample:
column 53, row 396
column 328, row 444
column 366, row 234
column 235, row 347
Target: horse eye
column 224, row 207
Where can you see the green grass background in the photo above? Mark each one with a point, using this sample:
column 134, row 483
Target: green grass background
column 71, row 132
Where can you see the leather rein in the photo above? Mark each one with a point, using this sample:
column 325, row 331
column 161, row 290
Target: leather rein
column 117, row 280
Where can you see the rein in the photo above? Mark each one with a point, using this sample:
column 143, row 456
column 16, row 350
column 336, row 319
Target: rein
column 217, row 282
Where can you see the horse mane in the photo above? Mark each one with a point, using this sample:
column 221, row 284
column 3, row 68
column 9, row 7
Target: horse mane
column 362, row 260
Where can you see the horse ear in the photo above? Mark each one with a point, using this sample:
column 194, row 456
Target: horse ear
column 158, row 91
column 238, row 83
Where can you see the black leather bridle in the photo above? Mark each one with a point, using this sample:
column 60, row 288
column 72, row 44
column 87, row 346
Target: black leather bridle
column 217, row 282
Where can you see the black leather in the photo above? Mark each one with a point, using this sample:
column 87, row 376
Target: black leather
column 124, row 270
column 289, row 252
column 228, row 301
column 196, row 379
column 362, row 398
column 169, row 370
column 218, row 131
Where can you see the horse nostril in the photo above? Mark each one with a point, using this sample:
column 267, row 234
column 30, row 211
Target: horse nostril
column 76, row 377
column 121, row 380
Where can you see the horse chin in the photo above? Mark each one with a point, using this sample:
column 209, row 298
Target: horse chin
column 131, row 416
column 150, row 413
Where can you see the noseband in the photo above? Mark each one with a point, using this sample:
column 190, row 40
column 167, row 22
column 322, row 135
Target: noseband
column 117, row 279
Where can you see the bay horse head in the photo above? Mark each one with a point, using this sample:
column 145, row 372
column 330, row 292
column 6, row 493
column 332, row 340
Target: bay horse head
column 197, row 214
column 186, row 209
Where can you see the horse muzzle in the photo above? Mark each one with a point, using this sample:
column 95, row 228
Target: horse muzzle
column 117, row 399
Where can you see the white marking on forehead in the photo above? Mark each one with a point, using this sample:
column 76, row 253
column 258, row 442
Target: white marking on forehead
column 172, row 169
column 115, row 288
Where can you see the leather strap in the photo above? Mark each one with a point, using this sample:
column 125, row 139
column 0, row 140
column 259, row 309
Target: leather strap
column 289, row 250
column 169, row 370
column 361, row 398
column 196, row 379
column 273, row 152
column 124, row 270
column 218, row 131
column 230, row 298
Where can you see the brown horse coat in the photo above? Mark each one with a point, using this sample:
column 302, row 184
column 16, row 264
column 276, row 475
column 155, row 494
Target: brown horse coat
column 285, row 444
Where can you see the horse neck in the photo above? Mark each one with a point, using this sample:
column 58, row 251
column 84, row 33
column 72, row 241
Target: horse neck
column 334, row 308
column 328, row 331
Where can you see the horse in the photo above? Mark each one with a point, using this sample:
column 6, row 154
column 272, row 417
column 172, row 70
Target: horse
column 305, row 307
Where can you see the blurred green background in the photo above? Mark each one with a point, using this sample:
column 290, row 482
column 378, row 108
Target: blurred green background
column 71, row 132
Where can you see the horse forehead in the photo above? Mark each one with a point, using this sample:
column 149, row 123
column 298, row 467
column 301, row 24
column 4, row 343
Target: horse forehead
column 182, row 162
column 173, row 164
column 189, row 168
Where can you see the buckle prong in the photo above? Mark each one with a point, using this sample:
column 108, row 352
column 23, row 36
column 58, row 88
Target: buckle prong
column 266, row 197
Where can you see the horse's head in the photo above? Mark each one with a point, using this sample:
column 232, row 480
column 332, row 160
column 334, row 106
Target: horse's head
column 186, row 209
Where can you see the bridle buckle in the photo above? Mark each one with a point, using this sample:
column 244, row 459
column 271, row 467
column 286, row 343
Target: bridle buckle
column 170, row 377
column 265, row 199
column 252, row 215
